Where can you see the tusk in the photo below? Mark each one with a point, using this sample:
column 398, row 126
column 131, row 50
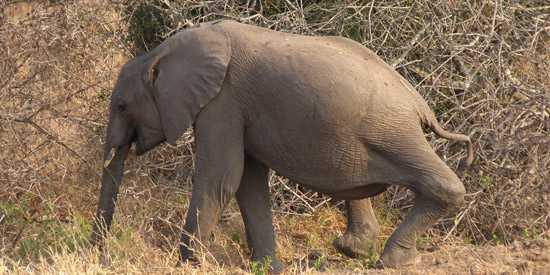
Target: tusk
column 110, row 156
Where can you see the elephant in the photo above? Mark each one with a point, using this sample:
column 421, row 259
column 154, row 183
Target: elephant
column 325, row 112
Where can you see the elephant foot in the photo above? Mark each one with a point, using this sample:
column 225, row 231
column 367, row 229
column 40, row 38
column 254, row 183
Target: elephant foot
column 268, row 264
column 104, row 259
column 397, row 256
column 355, row 245
column 276, row 267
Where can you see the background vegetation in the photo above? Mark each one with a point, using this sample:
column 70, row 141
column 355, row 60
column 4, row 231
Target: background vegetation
column 483, row 66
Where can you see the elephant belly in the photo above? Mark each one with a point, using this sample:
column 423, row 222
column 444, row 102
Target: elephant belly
column 321, row 161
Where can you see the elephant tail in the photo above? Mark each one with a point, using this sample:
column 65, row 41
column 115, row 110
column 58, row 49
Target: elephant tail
column 432, row 123
column 428, row 118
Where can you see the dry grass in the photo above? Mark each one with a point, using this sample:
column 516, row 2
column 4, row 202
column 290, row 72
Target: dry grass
column 483, row 66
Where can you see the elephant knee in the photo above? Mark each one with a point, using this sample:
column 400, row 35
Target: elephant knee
column 453, row 195
column 447, row 192
column 457, row 196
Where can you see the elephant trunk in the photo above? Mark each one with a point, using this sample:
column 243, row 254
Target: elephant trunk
column 110, row 183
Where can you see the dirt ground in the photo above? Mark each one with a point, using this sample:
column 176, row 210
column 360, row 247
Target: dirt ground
column 524, row 258
column 532, row 257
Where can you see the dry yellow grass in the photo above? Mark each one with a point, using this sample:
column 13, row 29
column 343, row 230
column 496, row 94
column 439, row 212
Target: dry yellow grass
column 308, row 252
column 483, row 67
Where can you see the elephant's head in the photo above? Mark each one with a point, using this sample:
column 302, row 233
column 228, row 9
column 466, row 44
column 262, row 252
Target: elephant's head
column 157, row 97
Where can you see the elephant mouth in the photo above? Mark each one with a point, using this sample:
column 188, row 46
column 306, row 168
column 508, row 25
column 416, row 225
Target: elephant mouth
column 141, row 145
column 146, row 139
column 140, row 148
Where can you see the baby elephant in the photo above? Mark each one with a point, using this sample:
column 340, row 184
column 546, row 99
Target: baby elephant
column 323, row 111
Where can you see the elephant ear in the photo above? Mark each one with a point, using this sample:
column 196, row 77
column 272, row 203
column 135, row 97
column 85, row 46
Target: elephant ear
column 185, row 72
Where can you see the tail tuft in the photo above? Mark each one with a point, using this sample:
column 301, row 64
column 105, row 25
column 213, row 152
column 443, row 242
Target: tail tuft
column 466, row 162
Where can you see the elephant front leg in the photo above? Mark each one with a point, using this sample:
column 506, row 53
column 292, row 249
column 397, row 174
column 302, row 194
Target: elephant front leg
column 360, row 238
column 210, row 194
column 203, row 214
column 219, row 166
column 254, row 202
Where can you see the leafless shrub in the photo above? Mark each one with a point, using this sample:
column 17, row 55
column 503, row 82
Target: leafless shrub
column 484, row 67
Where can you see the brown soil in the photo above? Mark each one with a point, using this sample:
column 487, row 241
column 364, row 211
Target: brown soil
column 531, row 257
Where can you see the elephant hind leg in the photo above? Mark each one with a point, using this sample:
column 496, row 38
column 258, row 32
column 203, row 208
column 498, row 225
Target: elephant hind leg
column 438, row 191
column 360, row 238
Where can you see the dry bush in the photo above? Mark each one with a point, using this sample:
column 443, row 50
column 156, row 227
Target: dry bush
column 484, row 67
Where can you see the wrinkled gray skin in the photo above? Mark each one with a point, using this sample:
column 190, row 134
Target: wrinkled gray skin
column 323, row 111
